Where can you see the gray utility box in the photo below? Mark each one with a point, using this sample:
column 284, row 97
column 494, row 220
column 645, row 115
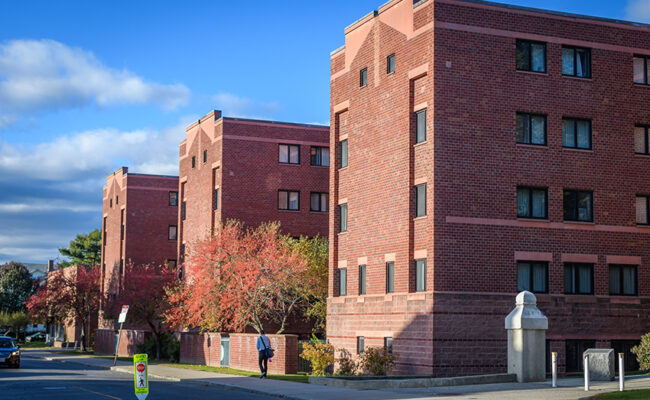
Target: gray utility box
column 602, row 364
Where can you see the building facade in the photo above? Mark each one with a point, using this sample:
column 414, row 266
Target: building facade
column 139, row 226
column 252, row 171
column 480, row 150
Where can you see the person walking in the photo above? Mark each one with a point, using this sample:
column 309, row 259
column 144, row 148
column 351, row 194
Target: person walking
column 264, row 349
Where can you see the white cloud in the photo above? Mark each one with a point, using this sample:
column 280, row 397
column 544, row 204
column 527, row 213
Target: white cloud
column 236, row 106
column 638, row 10
column 91, row 155
column 46, row 74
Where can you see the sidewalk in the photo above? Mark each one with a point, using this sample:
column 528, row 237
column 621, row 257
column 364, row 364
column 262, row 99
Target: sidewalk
column 569, row 389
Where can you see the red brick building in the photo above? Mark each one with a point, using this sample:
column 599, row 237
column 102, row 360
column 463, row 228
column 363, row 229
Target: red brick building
column 139, row 226
column 253, row 171
column 483, row 149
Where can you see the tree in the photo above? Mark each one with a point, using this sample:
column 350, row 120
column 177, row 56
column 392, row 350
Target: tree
column 85, row 249
column 68, row 293
column 242, row 278
column 16, row 285
column 13, row 321
column 144, row 289
column 316, row 252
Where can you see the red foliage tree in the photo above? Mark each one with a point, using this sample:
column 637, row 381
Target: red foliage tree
column 240, row 278
column 72, row 292
column 144, row 289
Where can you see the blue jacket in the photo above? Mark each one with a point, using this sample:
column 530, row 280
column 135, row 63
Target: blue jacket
column 267, row 342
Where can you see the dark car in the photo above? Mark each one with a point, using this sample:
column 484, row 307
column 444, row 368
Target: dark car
column 9, row 352
column 36, row 337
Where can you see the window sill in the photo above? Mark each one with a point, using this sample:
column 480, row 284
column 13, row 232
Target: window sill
column 390, row 73
column 420, row 218
column 580, row 223
column 642, row 155
column 290, row 211
column 416, row 145
column 342, row 169
column 542, row 220
column 364, row 86
column 288, row 165
column 319, row 212
column 533, row 146
column 578, row 78
column 642, row 85
column 531, row 72
column 342, row 233
column 320, row 166
column 577, row 150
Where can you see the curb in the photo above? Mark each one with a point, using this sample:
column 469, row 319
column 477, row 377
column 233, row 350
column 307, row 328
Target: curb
column 213, row 384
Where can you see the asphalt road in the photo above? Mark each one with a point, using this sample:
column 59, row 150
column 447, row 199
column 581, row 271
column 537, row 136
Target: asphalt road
column 39, row 379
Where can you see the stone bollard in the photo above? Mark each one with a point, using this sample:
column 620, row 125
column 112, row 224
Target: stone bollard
column 527, row 327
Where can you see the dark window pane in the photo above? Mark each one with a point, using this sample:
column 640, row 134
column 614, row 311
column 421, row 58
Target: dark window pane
column 539, row 203
column 614, row 280
column 344, row 153
column 523, row 55
column 584, row 206
column 343, row 214
column 640, row 140
column 568, row 65
column 314, row 203
column 390, row 64
column 523, row 203
column 584, row 279
column 360, row 344
column 420, row 275
column 538, row 129
column 568, row 133
column 343, row 281
column 362, row 279
column 569, row 281
column 584, row 134
column 583, row 63
column 390, row 277
column 283, row 200
column 642, row 209
column 363, row 77
column 523, row 128
column 540, row 278
column 294, row 200
column 421, row 200
column 216, row 199
column 421, row 126
column 639, row 70
column 538, row 52
column 523, row 276
column 294, row 154
column 629, row 280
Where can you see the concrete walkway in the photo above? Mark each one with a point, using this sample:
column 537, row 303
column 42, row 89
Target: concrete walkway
column 569, row 389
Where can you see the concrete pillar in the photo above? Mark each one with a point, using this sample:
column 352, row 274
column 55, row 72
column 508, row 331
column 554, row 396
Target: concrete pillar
column 527, row 327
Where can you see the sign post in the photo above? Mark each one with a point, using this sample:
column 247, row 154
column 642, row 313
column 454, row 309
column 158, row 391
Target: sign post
column 141, row 376
column 121, row 319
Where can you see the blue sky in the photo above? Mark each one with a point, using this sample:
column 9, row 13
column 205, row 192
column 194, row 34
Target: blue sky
column 89, row 86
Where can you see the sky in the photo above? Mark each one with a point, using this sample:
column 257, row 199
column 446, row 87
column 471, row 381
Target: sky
column 89, row 86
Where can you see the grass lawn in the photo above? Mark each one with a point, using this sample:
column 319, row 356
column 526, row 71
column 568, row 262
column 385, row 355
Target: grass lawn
column 627, row 395
column 79, row 353
column 291, row 377
column 35, row 345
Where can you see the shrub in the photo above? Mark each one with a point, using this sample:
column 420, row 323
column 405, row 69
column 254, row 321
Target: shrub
column 377, row 361
column 642, row 352
column 169, row 347
column 320, row 355
column 346, row 365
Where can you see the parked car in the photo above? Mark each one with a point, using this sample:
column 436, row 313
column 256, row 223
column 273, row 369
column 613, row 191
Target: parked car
column 36, row 337
column 9, row 352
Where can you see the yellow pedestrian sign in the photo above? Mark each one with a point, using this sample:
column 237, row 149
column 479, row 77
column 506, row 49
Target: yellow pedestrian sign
column 140, row 376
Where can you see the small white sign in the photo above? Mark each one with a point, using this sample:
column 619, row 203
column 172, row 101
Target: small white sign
column 122, row 317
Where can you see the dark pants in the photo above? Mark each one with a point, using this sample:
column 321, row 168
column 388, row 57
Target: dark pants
column 264, row 362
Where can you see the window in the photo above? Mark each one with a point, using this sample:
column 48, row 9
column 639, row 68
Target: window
column 172, row 232
column 390, row 64
column 183, row 210
column 531, row 129
column 171, row 263
column 388, row 344
column 121, row 267
column 532, row 276
column 173, row 199
column 193, row 161
column 344, row 153
column 360, row 344
column 362, row 279
column 641, row 140
column 578, row 278
column 578, row 206
column 363, row 77
column 420, row 275
column 421, row 200
column 110, row 203
column 623, row 280
column 117, row 200
column 642, row 212
column 318, row 202
column 320, row 156
column 205, row 156
column 531, row 202
column 343, row 215
column 288, row 200
column 576, row 61
column 390, row 277
column 182, row 252
column 215, row 201
column 576, row 133
column 421, row 126
column 343, row 281
column 641, row 67
column 531, row 56
column 289, row 154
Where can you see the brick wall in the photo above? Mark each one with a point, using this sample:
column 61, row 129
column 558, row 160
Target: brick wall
column 205, row 349
column 463, row 72
column 105, row 341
